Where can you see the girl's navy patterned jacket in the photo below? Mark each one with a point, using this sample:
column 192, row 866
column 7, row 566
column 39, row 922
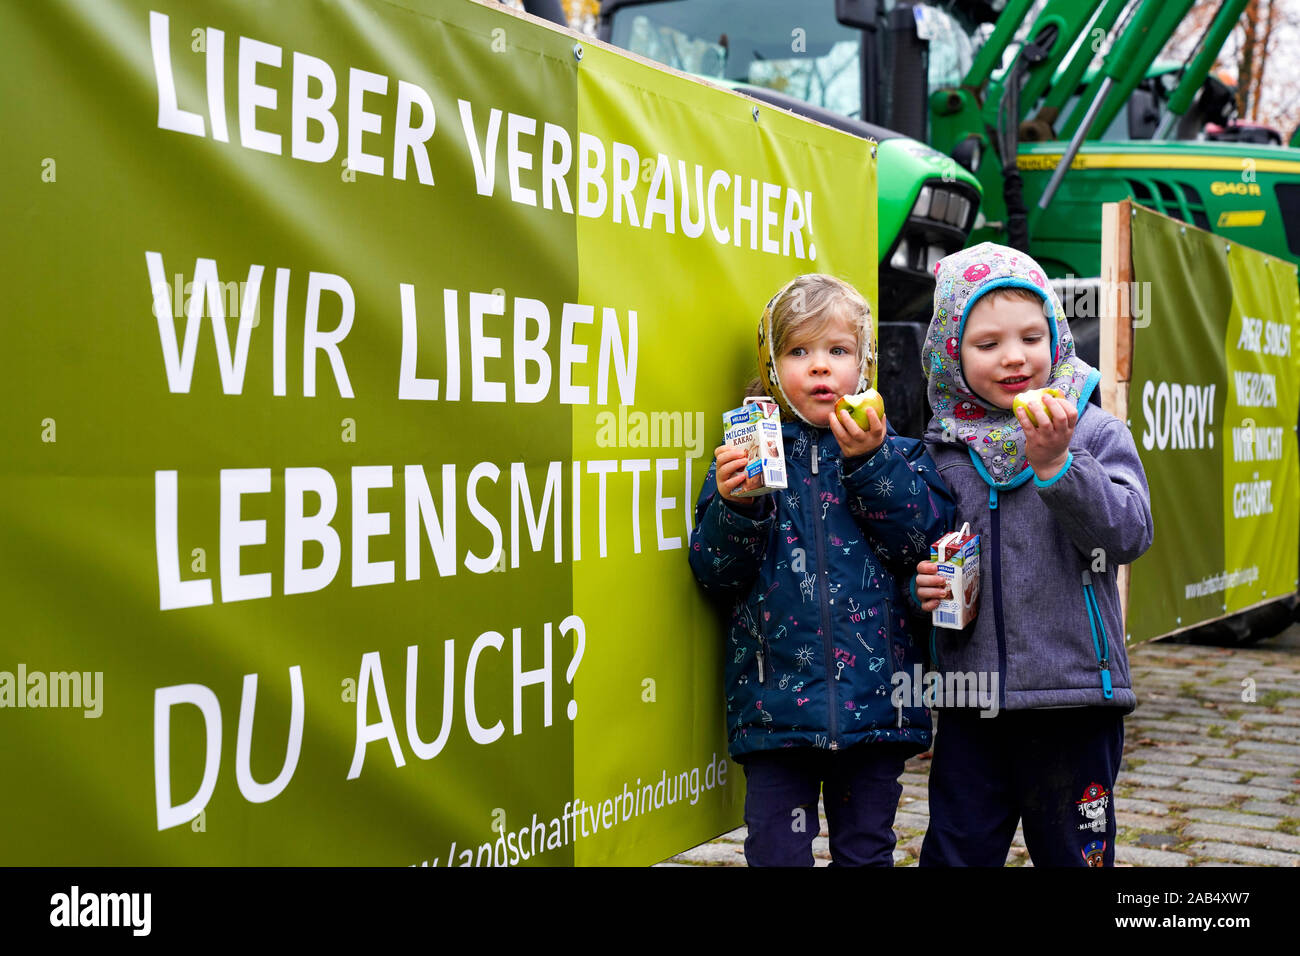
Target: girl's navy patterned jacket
column 818, row 624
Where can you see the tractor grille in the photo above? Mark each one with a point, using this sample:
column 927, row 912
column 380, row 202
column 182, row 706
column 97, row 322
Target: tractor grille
column 1177, row 200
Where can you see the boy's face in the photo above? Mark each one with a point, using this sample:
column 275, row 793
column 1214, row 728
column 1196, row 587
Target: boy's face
column 1006, row 349
column 817, row 369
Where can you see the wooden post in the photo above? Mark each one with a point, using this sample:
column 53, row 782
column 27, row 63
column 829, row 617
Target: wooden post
column 1116, row 346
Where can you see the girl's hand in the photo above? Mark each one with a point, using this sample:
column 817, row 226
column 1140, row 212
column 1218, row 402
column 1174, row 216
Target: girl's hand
column 1048, row 444
column 931, row 588
column 854, row 440
column 731, row 462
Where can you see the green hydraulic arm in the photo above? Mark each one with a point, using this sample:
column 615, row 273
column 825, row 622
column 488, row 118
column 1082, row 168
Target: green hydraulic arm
column 990, row 54
column 1068, row 17
column 1131, row 34
column 1067, row 80
column 1126, row 65
column 961, row 115
column 1136, row 24
column 1199, row 68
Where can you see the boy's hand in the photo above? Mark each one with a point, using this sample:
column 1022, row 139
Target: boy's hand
column 1048, row 444
column 930, row 588
column 854, row 440
column 730, row 476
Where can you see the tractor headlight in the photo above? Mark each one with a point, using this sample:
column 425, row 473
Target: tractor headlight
column 958, row 210
column 942, row 205
column 932, row 256
column 939, row 205
column 899, row 259
column 922, row 206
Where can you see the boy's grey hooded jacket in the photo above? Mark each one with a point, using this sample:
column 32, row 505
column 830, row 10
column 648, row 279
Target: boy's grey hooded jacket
column 1049, row 621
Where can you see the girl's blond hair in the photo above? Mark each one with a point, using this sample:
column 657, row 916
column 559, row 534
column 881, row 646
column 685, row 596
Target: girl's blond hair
column 805, row 307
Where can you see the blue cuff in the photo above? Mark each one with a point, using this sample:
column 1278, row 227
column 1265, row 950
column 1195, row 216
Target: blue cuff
column 911, row 587
column 733, row 516
column 1069, row 458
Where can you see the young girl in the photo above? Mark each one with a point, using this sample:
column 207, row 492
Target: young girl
column 1058, row 506
column 817, row 623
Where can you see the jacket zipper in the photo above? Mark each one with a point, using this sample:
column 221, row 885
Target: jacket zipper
column 1095, row 624
column 995, row 529
column 832, row 697
column 763, row 653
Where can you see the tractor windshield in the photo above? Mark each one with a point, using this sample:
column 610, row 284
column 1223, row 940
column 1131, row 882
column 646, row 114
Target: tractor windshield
column 804, row 53
column 756, row 42
column 951, row 49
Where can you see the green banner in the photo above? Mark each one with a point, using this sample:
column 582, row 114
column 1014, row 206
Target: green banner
column 363, row 363
column 1212, row 405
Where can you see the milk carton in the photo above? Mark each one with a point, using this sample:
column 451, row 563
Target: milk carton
column 958, row 556
column 756, row 427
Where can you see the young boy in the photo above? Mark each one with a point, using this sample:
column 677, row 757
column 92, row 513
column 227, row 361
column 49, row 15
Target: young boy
column 1058, row 507
column 817, row 623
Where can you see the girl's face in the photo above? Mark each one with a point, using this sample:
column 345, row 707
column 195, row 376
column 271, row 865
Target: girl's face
column 817, row 369
column 1006, row 349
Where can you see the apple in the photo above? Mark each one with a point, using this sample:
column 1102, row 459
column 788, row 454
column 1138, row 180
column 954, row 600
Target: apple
column 857, row 406
column 1025, row 399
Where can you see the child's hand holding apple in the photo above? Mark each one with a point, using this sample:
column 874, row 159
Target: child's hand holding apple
column 1047, row 433
column 858, row 423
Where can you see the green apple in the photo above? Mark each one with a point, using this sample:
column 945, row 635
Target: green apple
column 1025, row 399
column 857, row 406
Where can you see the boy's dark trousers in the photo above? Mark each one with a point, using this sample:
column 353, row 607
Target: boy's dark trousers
column 861, row 797
column 1053, row 769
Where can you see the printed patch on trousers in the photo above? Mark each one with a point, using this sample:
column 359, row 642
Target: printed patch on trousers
column 1094, row 853
column 1093, row 807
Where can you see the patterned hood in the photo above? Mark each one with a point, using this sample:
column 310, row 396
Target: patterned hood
column 992, row 435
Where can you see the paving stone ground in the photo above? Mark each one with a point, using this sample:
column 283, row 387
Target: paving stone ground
column 1210, row 777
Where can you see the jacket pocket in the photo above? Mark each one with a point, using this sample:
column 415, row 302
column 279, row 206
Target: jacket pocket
column 900, row 642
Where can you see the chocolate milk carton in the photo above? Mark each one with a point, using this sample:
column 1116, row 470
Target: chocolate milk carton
column 756, row 427
column 958, row 556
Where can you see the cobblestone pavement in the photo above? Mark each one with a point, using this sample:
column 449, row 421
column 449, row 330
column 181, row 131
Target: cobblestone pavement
column 1208, row 778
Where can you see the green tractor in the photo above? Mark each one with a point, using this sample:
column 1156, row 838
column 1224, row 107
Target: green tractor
column 1006, row 92
column 1050, row 107
column 1038, row 116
